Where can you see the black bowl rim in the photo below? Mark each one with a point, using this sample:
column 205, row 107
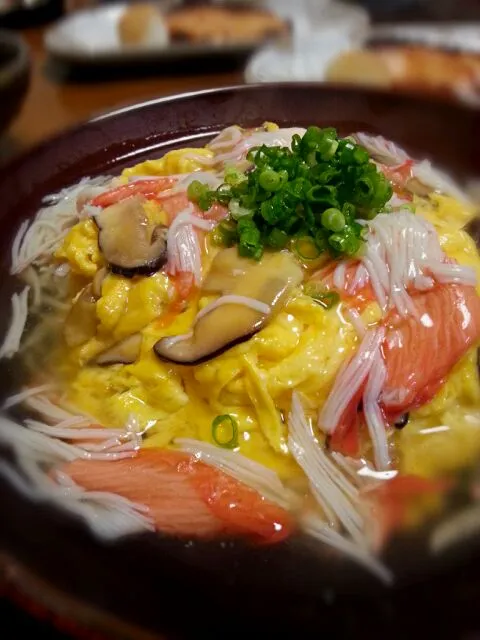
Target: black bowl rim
column 18, row 63
column 65, row 132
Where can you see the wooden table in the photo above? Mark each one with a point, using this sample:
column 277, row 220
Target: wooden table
column 57, row 100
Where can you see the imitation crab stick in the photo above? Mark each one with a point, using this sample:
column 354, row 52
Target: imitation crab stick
column 421, row 351
column 186, row 497
column 391, row 500
column 148, row 188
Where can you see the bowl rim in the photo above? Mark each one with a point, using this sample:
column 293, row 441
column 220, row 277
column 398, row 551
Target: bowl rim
column 19, row 62
column 284, row 85
column 53, row 138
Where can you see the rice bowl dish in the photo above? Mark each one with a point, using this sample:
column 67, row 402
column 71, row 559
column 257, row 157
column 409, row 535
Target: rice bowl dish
column 269, row 337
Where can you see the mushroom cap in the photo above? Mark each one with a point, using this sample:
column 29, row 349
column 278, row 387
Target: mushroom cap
column 124, row 352
column 269, row 281
column 129, row 242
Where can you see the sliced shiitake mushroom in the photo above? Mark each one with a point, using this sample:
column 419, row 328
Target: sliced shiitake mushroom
column 124, row 352
column 129, row 242
column 473, row 228
column 81, row 321
column 97, row 282
column 269, row 281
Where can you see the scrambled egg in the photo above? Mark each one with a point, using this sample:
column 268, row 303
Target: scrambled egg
column 302, row 348
column 80, row 249
column 177, row 161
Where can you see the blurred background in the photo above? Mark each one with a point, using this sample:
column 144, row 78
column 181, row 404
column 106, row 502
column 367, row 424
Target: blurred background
column 62, row 61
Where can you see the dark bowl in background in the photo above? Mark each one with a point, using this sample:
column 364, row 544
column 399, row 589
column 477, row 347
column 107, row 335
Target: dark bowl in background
column 14, row 76
column 205, row 590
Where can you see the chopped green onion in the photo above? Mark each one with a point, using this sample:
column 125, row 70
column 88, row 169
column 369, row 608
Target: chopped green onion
column 206, row 200
column 237, row 211
column 223, row 194
column 195, row 190
column 323, row 194
column 317, row 189
column 306, row 248
column 333, row 219
column 269, row 180
column 250, row 245
column 277, row 239
column 327, row 299
column 225, row 431
column 233, row 176
column 321, row 240
column 225, row 233
column 337, row 242
column 296, row 140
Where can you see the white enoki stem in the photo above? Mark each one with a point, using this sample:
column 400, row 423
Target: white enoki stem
column 377, row 426
column 381, row 149
column 265, row 481
column 184, row 253
column 20, row 397
column 37, row 239
column 107, row 515
column 349, row 380
column 403, row 250
column 456, row 529
column 318, row 529
column 11, row 342
column 334, row 492
column 226, row 139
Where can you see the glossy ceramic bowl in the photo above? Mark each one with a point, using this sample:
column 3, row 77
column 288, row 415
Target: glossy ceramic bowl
column 14, row 76
column 148, row 585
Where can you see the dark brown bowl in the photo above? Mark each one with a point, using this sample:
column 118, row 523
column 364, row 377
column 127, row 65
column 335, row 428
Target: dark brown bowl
column 14, row 76
column 206, row 590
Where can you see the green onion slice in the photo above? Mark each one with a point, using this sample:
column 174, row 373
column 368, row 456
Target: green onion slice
column 327, row 299
column 225, row 431
column 306, row 248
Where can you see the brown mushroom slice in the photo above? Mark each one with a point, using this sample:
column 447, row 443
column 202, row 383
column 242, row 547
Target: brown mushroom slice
column 226, row 271
column 473, row 228
column 97, row 282
column 124, row 352
column 270, row 282
column 81, row 321
column 129, row 242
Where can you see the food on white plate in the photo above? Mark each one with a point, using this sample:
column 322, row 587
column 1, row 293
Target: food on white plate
column 143, row 25
column 410, row 67
column 269, row 337
column 224, row 25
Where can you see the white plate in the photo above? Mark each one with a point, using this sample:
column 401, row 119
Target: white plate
column 316, row 42
column 457, row 36
column 90, row 37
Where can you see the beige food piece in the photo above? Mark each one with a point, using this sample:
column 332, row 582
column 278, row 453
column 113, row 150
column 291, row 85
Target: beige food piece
column 360, row 67
column 415, row 68
column 224, row 24
column 270, row 281
column 81, row 321
column 124, row 352
column 142, row 24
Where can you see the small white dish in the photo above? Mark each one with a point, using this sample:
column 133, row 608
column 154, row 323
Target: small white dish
column 90, row 37
column 337, row 28
column 457, row 36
